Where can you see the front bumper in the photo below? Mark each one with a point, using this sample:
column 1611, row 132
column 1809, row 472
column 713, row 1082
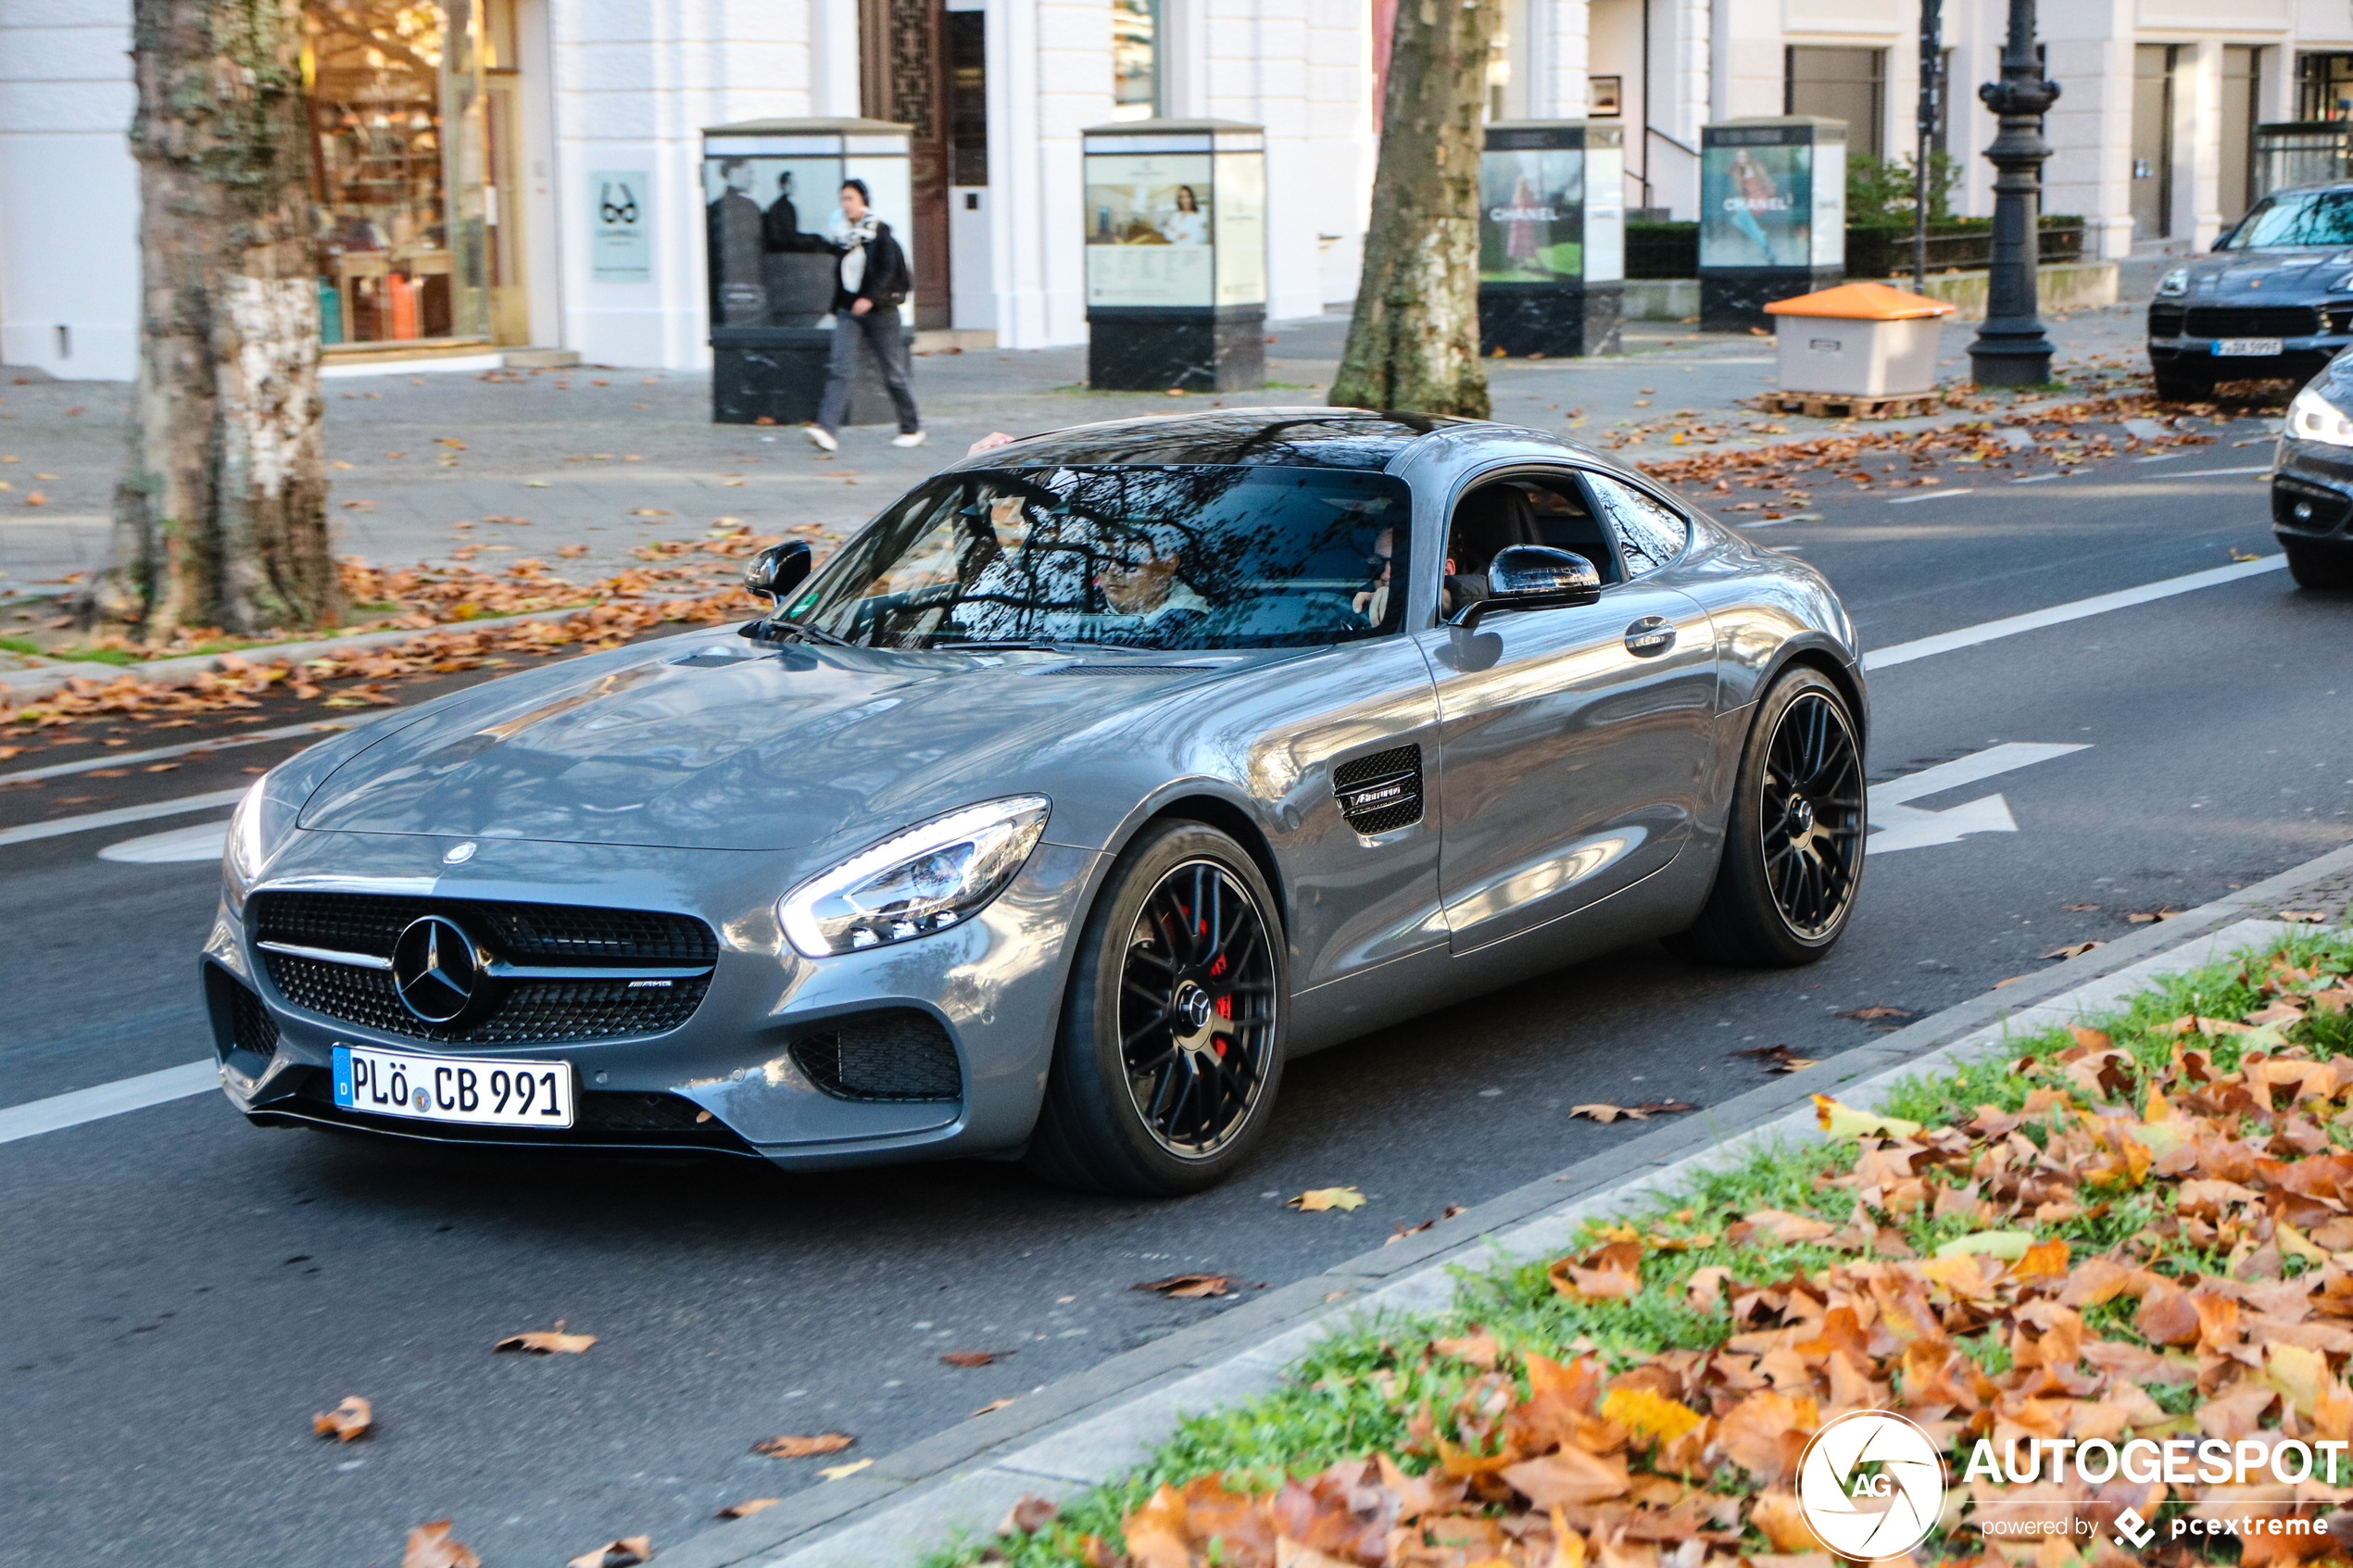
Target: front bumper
column 2312, row 491
column 735, row 1077
column 2300, row 358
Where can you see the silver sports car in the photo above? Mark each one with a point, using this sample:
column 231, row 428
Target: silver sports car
column 1098, row 776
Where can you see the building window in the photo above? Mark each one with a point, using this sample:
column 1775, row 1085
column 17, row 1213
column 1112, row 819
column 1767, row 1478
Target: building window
column 2324, row 87
column 397, row 170
column 1848, row 84
column 1605, row 96
column 968, row 97
column 1135, row 58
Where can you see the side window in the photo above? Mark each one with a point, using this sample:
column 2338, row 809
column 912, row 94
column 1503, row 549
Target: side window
column 1526, row 508
column 1651, row 533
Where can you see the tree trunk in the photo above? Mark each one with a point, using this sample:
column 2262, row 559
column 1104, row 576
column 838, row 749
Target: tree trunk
column 220, row 516
column 1413, row 342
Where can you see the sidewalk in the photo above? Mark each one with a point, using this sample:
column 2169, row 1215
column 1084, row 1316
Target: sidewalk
column 602, row 459
column 1086, row 1430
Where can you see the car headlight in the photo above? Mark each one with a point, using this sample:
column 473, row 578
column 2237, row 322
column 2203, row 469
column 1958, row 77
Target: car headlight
column 2177, row 282
column 913, row 884
column 247, row 848
column 2311, row 416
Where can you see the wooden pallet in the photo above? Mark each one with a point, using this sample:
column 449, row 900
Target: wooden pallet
column 1855, row 405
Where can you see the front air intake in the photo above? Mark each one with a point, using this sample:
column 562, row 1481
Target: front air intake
column 1380, row 793
column 900, row 1054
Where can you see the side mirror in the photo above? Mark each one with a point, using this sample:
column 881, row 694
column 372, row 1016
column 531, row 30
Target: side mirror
column 777, row 571
column 1532, row 577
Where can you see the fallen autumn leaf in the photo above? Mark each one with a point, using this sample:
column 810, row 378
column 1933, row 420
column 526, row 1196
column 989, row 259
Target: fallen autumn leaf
column 746, row 1508
column 1189, row 1288
column 351, row 1419
column 973, row 1358
column 547, row 1342
column 836, row 1472
column 1029, row 1516
column 791, row 1447
column 1316, row 1200
column 1875, row 1011
column 627, row 1552
column 994, row 1405
column 430, row 1546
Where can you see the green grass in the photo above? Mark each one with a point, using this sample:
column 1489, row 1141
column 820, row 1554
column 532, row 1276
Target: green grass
column 1351, row 1394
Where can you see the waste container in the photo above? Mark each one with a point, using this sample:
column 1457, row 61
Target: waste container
column 771, row 190
column 1860, row 341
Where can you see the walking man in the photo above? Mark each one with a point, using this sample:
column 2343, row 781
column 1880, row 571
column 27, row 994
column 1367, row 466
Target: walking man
column 872, row 284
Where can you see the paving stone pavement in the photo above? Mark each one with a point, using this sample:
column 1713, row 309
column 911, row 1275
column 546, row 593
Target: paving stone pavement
column 584, row 455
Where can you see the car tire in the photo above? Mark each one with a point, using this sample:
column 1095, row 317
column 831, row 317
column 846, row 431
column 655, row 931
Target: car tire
column 2320, row 564
column 2183, row 389
column 1170, row 1051
column 1793, row 856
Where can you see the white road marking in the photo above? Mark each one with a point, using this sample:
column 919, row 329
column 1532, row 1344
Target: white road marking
column 95, row 1104
column 2011, row 626
column 203, row 842
column 1927, row 495
column 119, row 815
column 1907, row 827
column 2037, row 478
column 162, row 753
column 2212, row 473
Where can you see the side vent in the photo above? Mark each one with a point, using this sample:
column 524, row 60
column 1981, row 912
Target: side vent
column 1380, row 793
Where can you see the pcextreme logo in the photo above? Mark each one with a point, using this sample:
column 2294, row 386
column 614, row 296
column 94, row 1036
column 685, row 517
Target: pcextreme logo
column 1871, row 1485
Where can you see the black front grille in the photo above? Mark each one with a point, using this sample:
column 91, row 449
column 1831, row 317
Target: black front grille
column 250, row 1024
column 2165, row 320
column 2251, row 321
column 1380, row 793
column 524, row 1010
column 370, row 923
column 897, row 1054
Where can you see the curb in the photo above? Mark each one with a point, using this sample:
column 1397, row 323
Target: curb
column 31, row 685
column 1085, row 1429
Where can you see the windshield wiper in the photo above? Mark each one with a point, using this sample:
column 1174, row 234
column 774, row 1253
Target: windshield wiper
column 807, row 632
column 1033, row 645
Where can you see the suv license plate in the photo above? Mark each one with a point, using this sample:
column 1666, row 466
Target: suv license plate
column 2246, row 347
column 477, row 1091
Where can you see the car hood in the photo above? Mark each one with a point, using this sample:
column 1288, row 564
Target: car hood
column 737, row 747
column 2257, row 275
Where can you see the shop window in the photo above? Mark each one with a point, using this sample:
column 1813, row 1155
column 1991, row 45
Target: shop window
column 1135, row 58
column 2323, row 87
column 397, row 168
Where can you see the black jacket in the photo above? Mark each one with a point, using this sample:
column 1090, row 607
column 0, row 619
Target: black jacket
column 885, row 282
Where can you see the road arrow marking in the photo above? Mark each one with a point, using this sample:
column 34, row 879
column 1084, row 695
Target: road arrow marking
column 1901, row 826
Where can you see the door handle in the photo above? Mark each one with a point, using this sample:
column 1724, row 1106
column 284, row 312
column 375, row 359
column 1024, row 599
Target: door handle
column 1650, row 636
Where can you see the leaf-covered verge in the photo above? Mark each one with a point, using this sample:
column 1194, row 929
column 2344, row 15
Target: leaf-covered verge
column 2143, row 1229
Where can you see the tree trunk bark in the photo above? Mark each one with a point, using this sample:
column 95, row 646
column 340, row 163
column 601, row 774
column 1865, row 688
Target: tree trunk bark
column 220, row 516
column 1412, row 344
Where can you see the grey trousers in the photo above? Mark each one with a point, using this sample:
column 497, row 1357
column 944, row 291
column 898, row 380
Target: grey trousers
column 881, row 329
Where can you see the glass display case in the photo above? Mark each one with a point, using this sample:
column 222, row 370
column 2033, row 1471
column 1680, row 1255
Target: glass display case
column 1551, row 237
column 1175, row 251
column 1772, row 214
column 771, row 205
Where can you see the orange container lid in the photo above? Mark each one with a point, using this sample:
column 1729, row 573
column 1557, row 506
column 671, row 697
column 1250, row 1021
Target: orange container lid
column 1861, row 302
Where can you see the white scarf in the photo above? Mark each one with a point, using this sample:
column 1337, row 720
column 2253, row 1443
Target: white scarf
column 851, row 239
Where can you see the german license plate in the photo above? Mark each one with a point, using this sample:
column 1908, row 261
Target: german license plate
column 472, row 1090
column 2246, row 347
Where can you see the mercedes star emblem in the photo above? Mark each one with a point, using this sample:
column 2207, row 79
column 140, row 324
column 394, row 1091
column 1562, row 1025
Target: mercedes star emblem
column 435, row 969
column 461, row 855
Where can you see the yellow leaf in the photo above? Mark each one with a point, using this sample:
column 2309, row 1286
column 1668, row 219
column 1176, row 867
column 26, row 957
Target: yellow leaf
column 1845, row 1122
column 1316, row 1200
column 2300, row 1374
column 2009, row 1246
column 1654, row 1415
column 2292, row 1242
column 836, row 1472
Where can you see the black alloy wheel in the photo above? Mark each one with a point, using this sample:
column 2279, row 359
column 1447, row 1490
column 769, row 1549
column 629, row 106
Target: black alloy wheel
column 1173, row 1021
column 1792, row 850
column 1810, row 816
column 1197, row 1010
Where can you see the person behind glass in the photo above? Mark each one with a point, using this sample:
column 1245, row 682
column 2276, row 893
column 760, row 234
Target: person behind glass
column 872, row 281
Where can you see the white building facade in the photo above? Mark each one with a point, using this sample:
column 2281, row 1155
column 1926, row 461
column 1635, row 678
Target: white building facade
column 475, row 156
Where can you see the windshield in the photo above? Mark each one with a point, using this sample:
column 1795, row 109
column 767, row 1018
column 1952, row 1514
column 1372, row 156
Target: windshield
column 2296, row 217
column 1139, row 558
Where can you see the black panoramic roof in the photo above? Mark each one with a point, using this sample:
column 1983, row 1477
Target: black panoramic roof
column 1323, row 438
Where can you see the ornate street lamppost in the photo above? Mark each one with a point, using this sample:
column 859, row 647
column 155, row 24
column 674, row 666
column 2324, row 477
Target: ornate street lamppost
column 2011, row 349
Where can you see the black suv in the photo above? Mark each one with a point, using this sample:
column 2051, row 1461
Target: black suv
column 2274, row 298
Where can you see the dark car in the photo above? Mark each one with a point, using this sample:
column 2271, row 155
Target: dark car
column 1097, row 777
column 2312, row 481
column 2273, row 299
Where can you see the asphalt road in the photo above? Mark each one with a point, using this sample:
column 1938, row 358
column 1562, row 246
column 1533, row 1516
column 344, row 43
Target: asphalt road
column 181, row 1291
